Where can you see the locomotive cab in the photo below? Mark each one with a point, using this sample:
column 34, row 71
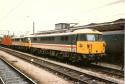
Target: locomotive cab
column 27, row 42
column 22, row 41
column 90, row 44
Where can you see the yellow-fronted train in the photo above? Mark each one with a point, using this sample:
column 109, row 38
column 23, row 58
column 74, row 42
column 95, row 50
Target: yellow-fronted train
column 84, row 45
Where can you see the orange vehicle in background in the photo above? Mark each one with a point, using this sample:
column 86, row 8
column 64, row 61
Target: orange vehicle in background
column 6, row 40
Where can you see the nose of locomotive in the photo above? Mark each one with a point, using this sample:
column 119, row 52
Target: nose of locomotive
column 96, row 47
column 91, row 47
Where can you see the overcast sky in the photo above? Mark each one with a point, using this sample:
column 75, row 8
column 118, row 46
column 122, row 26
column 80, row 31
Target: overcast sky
column 18, row 15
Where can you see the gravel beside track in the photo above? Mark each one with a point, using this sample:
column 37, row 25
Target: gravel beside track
column 74, row 73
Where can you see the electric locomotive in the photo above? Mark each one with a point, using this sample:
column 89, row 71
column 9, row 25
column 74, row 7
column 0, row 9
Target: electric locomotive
column 79, row 45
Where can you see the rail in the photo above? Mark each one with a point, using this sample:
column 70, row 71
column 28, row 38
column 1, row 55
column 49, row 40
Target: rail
column 10, row 74
column 74, row 74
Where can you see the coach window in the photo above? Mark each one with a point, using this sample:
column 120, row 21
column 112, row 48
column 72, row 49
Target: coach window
column 52, row 38
column 64, row 38
column 12, row 39
column 44, row 38
column 34, row 39
column 24, row 40
column 48, row 38
column 21, row 39
column 41, row 38
column 17, row 39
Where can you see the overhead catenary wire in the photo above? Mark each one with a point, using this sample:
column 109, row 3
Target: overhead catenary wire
column 112, row 3
column 109, row 16
column 20, row 3
column 105, row 5
column 13, row 9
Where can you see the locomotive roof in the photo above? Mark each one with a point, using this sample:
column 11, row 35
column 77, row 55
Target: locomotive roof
column 80, row 31
column 93, row 31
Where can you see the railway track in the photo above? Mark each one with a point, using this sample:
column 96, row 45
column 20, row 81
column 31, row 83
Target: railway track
column 103, row 70
column 100, row 69
column 10, row 75
column 75, row 74
column 109, row 71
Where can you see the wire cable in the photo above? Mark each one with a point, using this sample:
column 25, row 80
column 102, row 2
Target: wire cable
column 105, row 5
column 14, row 8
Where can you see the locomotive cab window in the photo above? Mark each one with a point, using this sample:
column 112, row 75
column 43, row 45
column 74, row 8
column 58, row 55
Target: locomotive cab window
column 89, row 37
column 94, row 37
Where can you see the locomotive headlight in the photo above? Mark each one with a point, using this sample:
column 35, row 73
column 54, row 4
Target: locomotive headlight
column 80, row 45
column 88, row 45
